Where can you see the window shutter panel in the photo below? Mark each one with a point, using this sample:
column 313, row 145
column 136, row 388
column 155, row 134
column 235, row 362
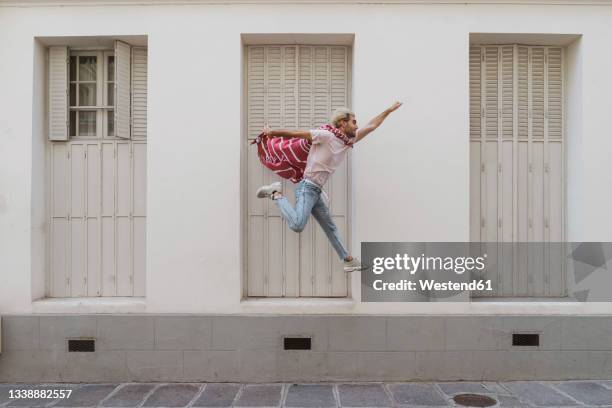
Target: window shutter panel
column 475, row 61
column 491, row 101
column 475, row 92
column 256, row 213
column 290, row 103
column 507, row 92
column 139, row 92
column 273, row 87
column 256, row 91
column 122, row 89
column 322, row 97
column 537, row 93
column 523, row 92
column 339, row 85
column 274, row 269
column 305, row 84
column 555, row 109
column 58, row 93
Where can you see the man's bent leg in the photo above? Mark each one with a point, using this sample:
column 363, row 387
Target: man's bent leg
column 321, row 213
column 305, row 199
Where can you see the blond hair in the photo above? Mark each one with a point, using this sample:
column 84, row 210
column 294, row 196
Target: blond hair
column 340, row 114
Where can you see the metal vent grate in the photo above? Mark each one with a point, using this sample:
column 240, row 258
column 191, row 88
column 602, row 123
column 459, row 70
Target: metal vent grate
column 82, row 345
column 297, row 343
column 525, row 339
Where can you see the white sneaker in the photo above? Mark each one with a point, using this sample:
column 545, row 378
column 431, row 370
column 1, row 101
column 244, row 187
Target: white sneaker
column 354, row 265
column 266, row 191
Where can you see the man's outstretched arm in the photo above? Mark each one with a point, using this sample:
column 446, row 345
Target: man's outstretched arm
column 376, row 122
column 302, row 134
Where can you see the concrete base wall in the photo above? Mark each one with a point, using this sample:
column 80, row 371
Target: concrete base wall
column 355, row 348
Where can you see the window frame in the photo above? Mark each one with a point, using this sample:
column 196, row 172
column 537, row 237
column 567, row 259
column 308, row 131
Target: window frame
column 101, row 108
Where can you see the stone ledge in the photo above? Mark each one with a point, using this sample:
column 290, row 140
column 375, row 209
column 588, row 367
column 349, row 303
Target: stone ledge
column 97, row 305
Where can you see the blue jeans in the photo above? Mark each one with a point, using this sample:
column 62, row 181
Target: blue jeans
column 308, row 200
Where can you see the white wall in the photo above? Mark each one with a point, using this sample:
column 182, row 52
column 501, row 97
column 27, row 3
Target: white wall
column 410, row 178
column 38, row 220
column 575, row 159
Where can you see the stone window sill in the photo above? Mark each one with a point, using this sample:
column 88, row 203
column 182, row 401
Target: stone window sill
column 90, row 305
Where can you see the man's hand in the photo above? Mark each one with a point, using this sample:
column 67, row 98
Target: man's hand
column 266, row 130
column 375, row 122
column 394, row 107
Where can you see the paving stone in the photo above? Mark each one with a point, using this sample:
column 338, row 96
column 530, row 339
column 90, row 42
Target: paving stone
column 495, row 388
column 130, row 395
column 217, row 395
column 302, row 395
column 536, row 393
column 605, row 383
column 35, row 402
column 88, row 395
column 507, row 401
column 363, row 395
column 260, row 396
column 452, row 388
column 417, row 394
column 172, row 395
column 587, row 392
column 4, row 392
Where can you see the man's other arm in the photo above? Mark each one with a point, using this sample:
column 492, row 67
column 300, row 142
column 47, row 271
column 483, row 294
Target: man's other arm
column 376, row 122
column 302, row 134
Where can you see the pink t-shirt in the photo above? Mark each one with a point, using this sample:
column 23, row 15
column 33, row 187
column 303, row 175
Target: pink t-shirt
column 325, row 156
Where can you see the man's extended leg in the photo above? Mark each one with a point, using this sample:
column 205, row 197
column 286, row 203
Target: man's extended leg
column 321, row 214
column 305, row 199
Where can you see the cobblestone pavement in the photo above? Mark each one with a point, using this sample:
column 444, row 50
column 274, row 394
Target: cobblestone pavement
column 566, row 394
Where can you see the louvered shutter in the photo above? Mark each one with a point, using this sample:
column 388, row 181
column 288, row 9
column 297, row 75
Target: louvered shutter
column 122, row 89
column 293, row 87
column 490, row 149
column 306, row 87
column 58, row 93
column 516, row 165
column 337, row 185
column 523, row 92
column 139, row 92
column 555, row 100
column 256, row 92
column 507, row 91
column 290, row 241
column 537, row 93
column 475, row 136
column 491, row 92
column 275, row 272
column 475, row 92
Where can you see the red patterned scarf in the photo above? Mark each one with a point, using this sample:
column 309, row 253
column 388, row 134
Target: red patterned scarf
column 287, row 156
column 339, row 134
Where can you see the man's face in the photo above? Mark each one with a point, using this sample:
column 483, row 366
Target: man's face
column 350, row 126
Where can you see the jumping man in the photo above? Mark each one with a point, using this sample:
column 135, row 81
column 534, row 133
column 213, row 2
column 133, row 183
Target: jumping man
column 329, row 147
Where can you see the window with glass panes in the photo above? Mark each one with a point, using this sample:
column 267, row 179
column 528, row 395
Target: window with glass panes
column 92, row 93
column 97, row 148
